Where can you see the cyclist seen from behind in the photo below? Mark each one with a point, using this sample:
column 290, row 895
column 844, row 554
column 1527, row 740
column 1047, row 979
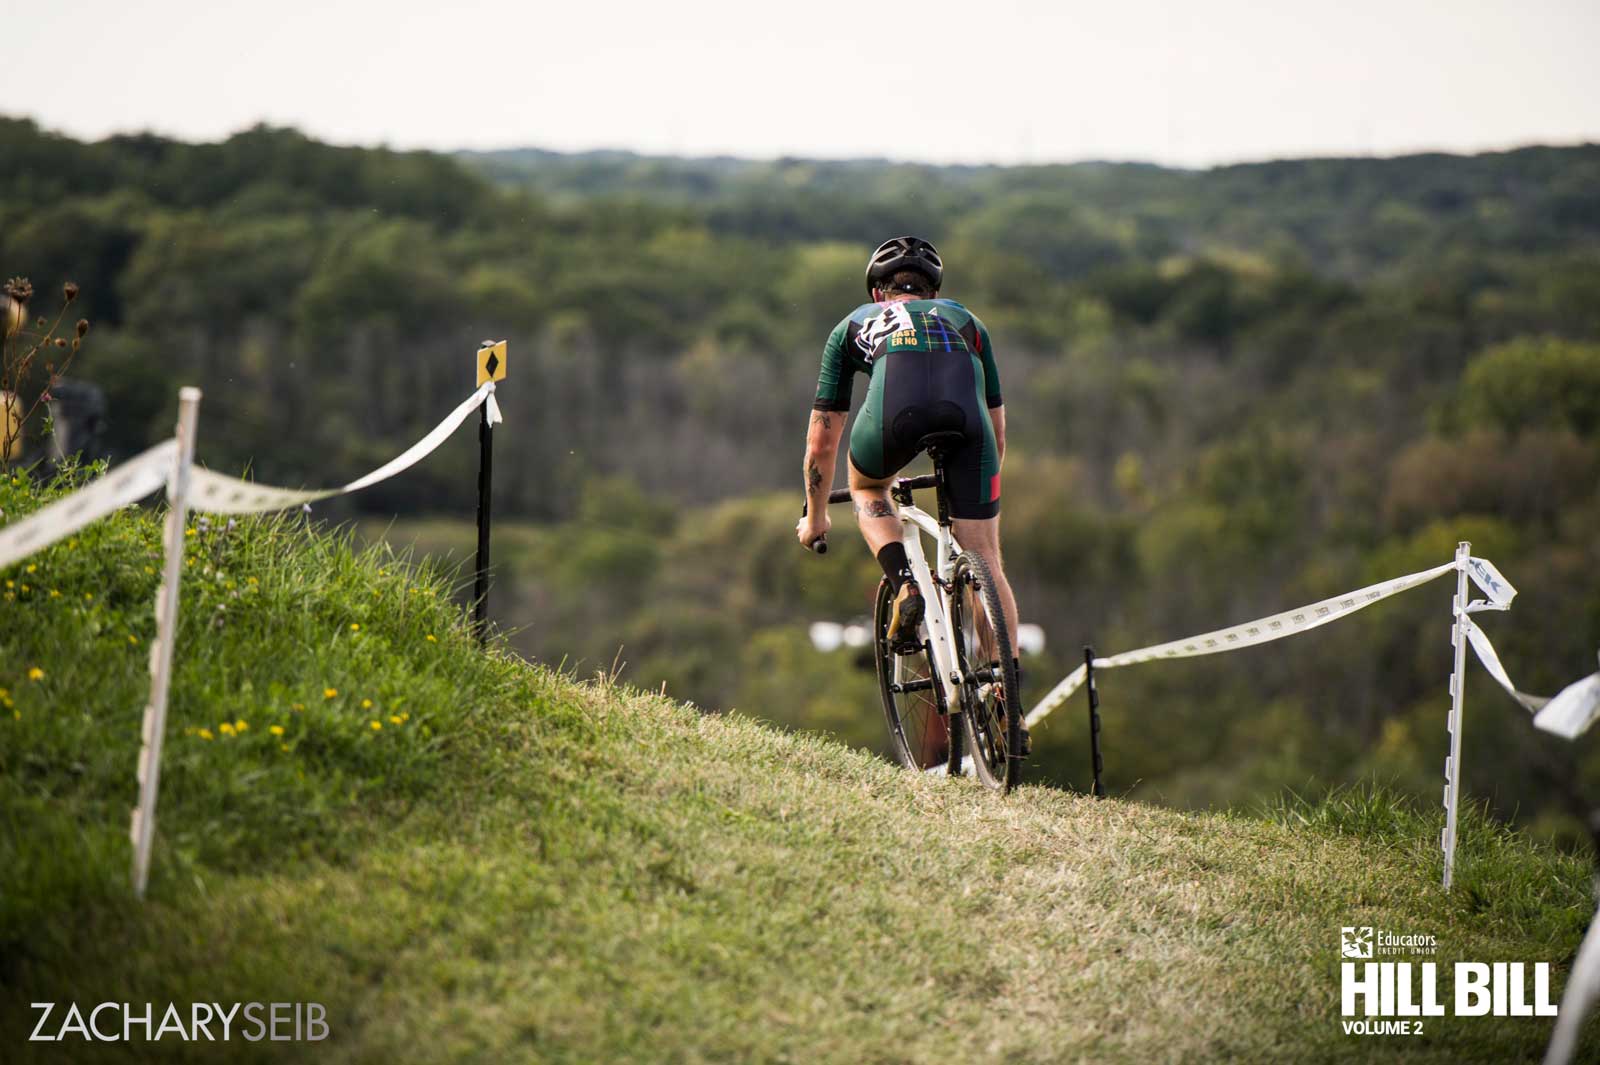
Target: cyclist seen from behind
column 930, row 368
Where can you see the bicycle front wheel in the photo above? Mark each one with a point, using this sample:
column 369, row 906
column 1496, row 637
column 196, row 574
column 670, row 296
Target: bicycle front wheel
column 991, row 697
column 913, row 703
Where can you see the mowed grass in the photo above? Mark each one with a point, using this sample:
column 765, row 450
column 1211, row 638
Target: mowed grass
column 526, row 867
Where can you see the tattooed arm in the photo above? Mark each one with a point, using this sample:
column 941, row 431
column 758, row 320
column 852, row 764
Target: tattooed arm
column 822, row 454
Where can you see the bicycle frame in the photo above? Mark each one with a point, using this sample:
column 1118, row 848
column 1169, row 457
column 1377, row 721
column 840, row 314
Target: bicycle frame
column 936, row 613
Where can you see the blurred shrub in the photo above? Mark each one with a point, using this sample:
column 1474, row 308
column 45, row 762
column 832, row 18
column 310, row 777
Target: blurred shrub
column 1541, row 383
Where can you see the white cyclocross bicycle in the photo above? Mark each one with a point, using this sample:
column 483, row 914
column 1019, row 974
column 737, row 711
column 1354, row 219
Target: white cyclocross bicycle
column 965, row 661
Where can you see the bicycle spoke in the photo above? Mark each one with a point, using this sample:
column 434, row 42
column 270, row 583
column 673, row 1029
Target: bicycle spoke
column 918, row 734
column 985, row 654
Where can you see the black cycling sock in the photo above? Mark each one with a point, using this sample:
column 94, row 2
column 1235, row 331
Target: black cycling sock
column 892, row 557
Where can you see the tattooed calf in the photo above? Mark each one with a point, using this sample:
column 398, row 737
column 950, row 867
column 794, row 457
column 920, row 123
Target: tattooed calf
column 879, row 508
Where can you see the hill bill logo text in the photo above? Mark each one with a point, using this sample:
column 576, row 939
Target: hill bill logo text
column 1396, row 997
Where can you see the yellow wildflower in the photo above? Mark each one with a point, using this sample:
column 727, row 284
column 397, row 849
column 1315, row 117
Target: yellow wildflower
column 11, row 584
column 250, row 580
column 149, row 570
column 133, row 639
column 276, row 730
column 205, row 734
column 31, row 568
column 226, row 729
column 329, row 693
column 189, row 531
column 366, row 704
column 355, row 626
column 396, row 719
column 35, row 673
column 297, row 706
column 241, row 724
column 54, row 594
column 431, row 638
column 376, row 725
column 88, row 595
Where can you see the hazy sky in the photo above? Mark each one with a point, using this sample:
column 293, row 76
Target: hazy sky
column 989, row 81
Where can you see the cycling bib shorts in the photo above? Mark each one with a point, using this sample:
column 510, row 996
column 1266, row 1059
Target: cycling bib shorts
column 929, row 368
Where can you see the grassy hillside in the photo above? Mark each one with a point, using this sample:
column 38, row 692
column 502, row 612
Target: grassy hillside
column 466, row 857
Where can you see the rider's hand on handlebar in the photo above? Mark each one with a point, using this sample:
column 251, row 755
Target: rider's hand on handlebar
column 811, row 528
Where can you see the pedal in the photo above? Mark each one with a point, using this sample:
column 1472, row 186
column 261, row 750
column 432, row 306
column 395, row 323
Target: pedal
column 908, row 647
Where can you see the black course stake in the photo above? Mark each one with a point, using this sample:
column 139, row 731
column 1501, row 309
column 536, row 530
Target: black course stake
column 491, row 367
column 1099, row 765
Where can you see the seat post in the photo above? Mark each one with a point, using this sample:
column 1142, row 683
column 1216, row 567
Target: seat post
column 939, row 489
column 938, row 446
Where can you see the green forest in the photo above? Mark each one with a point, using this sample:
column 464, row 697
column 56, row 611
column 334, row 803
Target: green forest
column 1229, row 392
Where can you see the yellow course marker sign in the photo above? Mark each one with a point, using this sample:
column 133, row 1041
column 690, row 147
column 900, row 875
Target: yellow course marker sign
column 491, row 362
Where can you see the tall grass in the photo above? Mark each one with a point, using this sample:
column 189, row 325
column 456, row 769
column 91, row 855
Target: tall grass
column 315, row 686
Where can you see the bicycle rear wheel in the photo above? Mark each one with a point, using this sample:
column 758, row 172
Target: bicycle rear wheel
column 991, row 697
column 913, row 702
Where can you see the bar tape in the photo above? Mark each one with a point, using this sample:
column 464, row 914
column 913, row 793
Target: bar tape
column 220, row 494
column 126, row 483
column 1275, row 627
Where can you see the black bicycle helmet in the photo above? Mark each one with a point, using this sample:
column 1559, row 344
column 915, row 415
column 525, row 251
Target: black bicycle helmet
column 904, row 253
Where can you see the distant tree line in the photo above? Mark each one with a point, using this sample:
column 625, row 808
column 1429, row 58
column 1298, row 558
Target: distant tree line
column 1230, row 391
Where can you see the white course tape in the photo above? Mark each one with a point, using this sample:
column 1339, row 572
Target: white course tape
column 1568, row 715
column 219, row 494
column 1494, row 585
column 1263, row 630
column 1573, row 709
column 126, row 483
column 1491, row 661
column 1583, row 987
column 1277, row 626
column 1058, row 695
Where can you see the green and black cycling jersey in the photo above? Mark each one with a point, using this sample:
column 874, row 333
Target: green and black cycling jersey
column 930, row 368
